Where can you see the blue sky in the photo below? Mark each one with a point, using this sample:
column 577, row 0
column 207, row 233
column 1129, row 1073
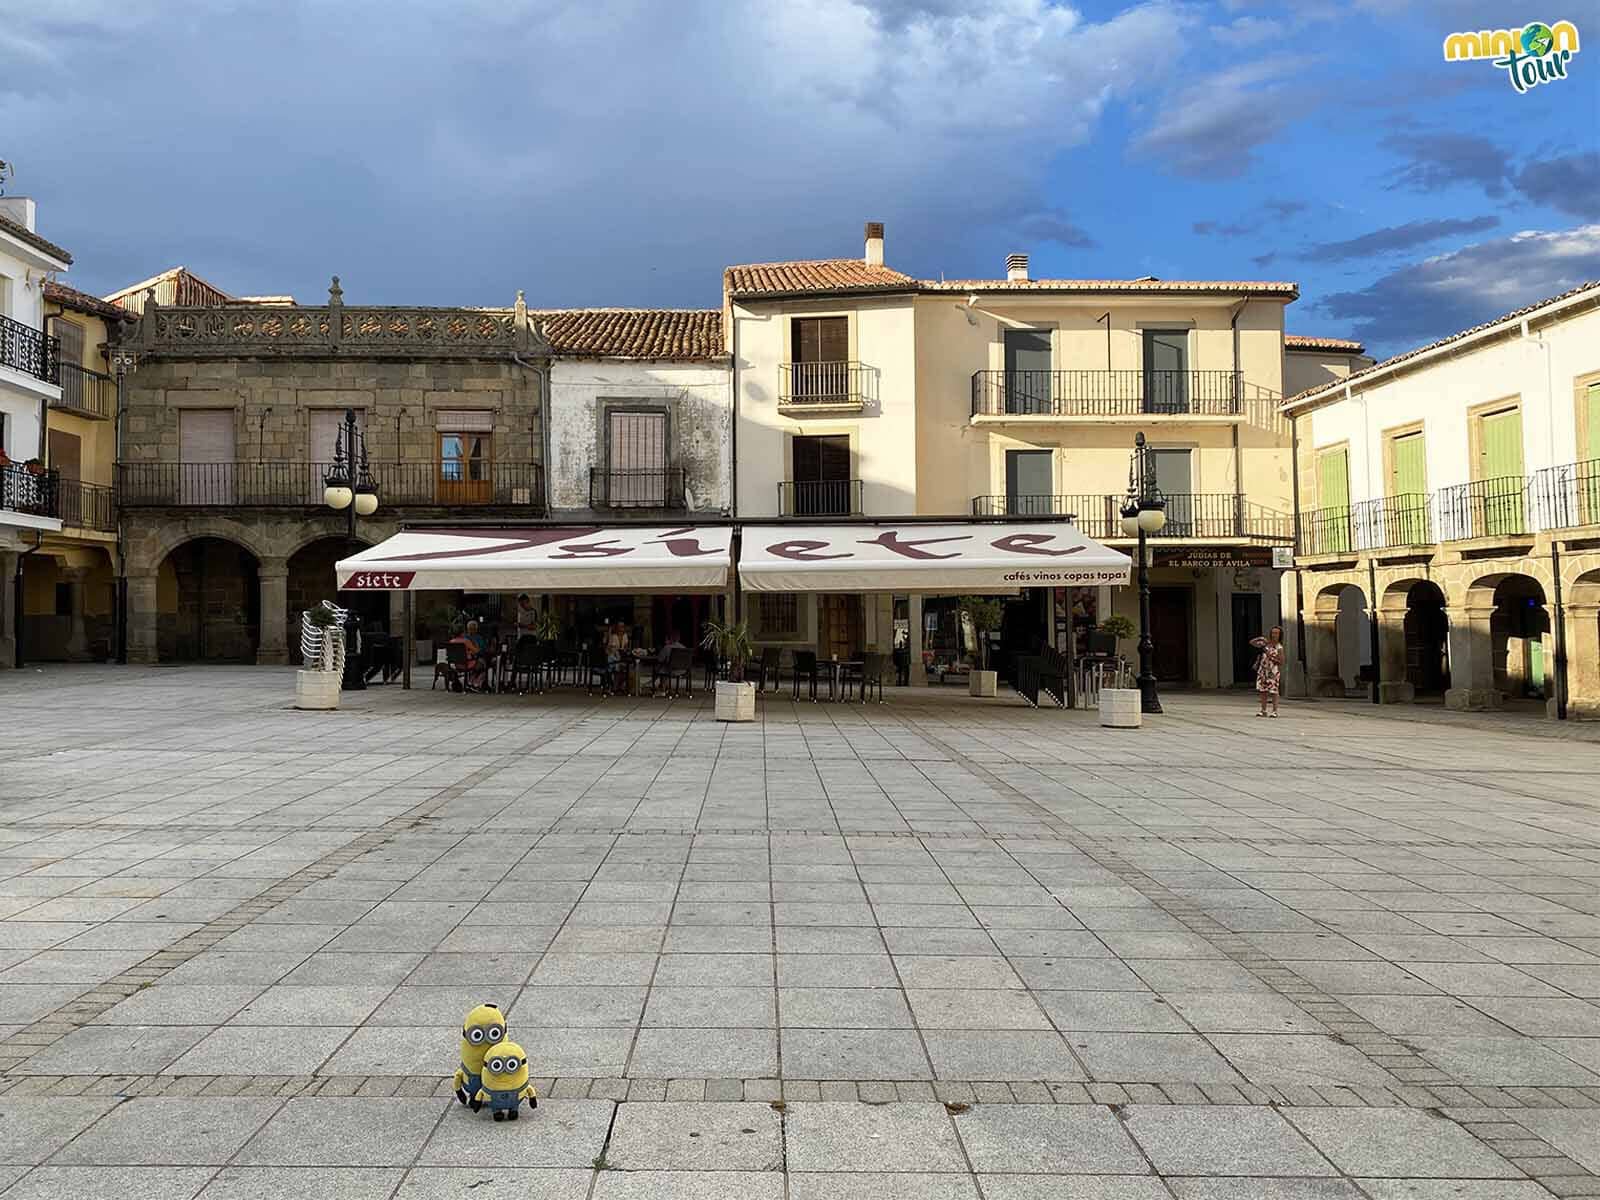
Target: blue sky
column 600, row 152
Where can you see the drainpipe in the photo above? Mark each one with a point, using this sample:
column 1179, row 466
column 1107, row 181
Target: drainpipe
column 1560, row 627
column 733, row 417
column 543, row 381
column 1534, row 339
column 1299, row 590
column 122, row 550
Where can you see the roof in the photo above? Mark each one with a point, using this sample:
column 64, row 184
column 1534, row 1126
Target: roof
column 814, row 275
column 188, row 289
column 1224, row 287
column 644, row 333
column 71, row 297
column 1465, row 334
column 23, row 234
column 1307, row 341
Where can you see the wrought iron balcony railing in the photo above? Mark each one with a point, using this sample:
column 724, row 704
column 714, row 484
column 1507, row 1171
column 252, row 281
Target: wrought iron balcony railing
column 1099, row 393
column 822, row 383
column 663, row 489
column 449, row 483
column 86, row 393
column 29, row 350
column 820, row 498
column 1393, row 522
column 1567, row 496
column 1495, row 507
column 23, row 490
column 1189, row 514
column 87, row 505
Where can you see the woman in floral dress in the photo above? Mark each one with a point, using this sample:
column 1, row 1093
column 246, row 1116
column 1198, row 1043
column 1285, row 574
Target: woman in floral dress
column 1269, row 669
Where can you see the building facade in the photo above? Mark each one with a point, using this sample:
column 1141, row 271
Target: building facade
column 864, row 391
column 236, row 411
column 1449, row 518
column 30, row 383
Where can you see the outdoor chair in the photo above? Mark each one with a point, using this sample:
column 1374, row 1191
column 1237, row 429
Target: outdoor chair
column 871, row 676
column 525, row 665
column 805, row 667
column 713, row 667
column 453, row 670
column 769, row 666
column 597, row 669
column 680, row 666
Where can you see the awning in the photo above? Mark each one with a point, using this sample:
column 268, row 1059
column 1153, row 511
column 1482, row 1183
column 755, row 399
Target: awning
column 576, row 558
column 965, row 557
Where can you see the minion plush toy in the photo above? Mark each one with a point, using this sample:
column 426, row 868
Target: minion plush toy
column 483, row 1029
column 505, row 1082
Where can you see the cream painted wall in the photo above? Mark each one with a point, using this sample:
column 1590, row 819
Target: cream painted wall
column 883, row 434
column 696, row 396
column 97, row 440
column 1303, row 369
column 1443, row 394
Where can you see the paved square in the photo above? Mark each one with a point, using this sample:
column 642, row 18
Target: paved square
column 933, row 948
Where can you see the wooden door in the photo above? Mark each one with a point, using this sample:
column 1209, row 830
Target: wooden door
column 1169, row 631
column 1408, row 492
column 819, row 353
column 1501, row 481
column 324, row 434
column 1333, row 502
column 1028, row 377
column 465, row 462
column 1166, row 370
column 840, row 635
column 206, row 471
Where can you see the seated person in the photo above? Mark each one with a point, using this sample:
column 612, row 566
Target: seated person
column 476, row 675
column 664, row 658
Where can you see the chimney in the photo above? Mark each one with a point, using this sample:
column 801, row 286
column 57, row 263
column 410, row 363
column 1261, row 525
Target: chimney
column 1017, row 266
column 874, row 255
column 20, row 209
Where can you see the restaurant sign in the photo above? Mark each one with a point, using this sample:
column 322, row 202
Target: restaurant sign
column 379, row 581
column 1224, row 557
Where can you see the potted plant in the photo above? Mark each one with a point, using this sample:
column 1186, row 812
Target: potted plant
column 546, row 626
column 35, row 466
column 1118, row 626
column 317, row 683
column 1119, row 707
column 984, row 615
column 730, row 641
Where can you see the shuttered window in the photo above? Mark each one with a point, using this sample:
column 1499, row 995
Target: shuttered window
column 636, row 448
column 778, row 614
column 325, row 432
column 71, row 335
column 206, row 451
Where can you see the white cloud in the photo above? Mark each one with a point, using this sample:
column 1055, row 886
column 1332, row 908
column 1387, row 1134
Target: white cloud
column 1210, row 128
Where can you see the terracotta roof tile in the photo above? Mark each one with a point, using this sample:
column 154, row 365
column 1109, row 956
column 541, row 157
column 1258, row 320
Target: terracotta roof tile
column 814, row 275
column 1386, row 364
column 1216, row 286
column 71, row 297
column 23, row 234
column 644, row 333
column 1308, row 341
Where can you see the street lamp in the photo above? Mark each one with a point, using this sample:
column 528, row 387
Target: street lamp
column 348, row 487
column 1144, row 512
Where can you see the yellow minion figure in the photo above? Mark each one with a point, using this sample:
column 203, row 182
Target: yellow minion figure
column 482, row 1031
column 505, row 1082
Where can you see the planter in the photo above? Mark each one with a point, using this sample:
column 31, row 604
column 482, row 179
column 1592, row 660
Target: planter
column 982, row 683
column 424, row 651
column 1120, row 709
column 316, row 689
column 736, row 702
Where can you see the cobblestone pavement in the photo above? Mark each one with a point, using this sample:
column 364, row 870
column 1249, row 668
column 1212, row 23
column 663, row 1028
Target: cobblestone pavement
column 936, row 948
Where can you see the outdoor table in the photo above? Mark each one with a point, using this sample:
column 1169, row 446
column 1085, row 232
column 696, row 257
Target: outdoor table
column 836, row 668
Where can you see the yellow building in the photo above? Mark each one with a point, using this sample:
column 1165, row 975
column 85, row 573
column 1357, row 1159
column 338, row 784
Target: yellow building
column 69, row 583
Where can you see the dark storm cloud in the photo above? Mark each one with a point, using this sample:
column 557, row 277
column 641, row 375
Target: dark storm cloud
column 1397, row 237
column 1570, row 184
column 1436, row 161
column 1055, row 227
column 1211, row 128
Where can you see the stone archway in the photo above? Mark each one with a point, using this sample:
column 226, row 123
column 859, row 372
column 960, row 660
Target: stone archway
column 1414, row 629
column 1499, row 641
column 1582, row 619
column 1335, row 635
column 311, row 581
column 208, row 603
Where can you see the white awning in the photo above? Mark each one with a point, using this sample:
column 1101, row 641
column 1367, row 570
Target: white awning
column 959, row 557
column 577, row 558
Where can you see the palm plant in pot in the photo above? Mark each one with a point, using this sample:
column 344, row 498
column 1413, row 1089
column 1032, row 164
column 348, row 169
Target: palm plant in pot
column 730, row 642
column 984, row 614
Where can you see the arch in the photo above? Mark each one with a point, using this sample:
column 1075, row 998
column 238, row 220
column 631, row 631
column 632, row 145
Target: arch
column 1425, row 635
column 208, row 602
column 1585, row 589
column 310, row 580
column 1336, row 638
column 158, row 544
column 310, row 536
column 1519, row 631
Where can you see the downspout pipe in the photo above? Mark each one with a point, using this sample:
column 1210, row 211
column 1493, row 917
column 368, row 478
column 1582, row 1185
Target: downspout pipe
column 733, row 415
column 1299, row 590
column 542, row 379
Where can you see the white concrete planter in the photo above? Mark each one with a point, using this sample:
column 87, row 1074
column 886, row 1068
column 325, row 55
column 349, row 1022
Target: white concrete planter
column 424, row 652
column 736, row 702
column 316, row 689
column 1120, row 708
column 982, row 683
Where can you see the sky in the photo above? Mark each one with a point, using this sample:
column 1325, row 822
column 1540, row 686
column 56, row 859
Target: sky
column 608, row 152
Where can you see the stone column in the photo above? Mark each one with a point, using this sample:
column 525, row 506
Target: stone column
column 1393, row 686
column 1471, row 659
column 143, row 617
column 919, row 676
column 8, row 616
column 1583, row 661
column 273, row 575
column 78, row 633
column 1322, row 656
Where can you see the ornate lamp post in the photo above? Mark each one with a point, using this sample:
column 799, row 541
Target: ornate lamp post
column 348, row 487
column 1144, row 512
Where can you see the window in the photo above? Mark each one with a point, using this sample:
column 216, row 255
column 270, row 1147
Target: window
column 1166, row 370
column 1329, row 531
column 1407, row 516
column 1175, row 478
column 465, row 462
column 778, row 614
column 206, row 454
column 821, row 484
column 1027, row 371
column 636, row 459
column 1030, row 484
column 819, row 349
column 71, row 335
column 324, row 434
column 1497, row 508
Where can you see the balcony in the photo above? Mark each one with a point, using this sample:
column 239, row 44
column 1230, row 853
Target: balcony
column 1567, row 496
column 1495, row 507
column 663, row 489
column 87, row 506
column 822, row 387
column 29, row 350
column 448, row 484
column 820, row 498
column 1393, row 522
column 1098, row 393
column 1210, row 515
column 86, row 393
column 24, row 491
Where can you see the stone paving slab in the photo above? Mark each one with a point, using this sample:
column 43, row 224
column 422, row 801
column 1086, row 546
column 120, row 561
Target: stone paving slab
column 1028, row 954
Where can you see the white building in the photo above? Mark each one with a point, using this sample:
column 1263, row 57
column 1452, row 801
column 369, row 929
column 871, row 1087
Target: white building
column 1453, row 492
column 30, row 381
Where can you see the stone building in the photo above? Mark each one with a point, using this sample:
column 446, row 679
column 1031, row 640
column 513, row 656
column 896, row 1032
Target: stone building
column 1450, row 496
column 234, row 415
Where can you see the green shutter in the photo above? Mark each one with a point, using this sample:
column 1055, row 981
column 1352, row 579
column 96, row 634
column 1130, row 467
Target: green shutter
column 1588, row 471
column 1407, row 523
column 1500, row 494
column 1332, row 534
